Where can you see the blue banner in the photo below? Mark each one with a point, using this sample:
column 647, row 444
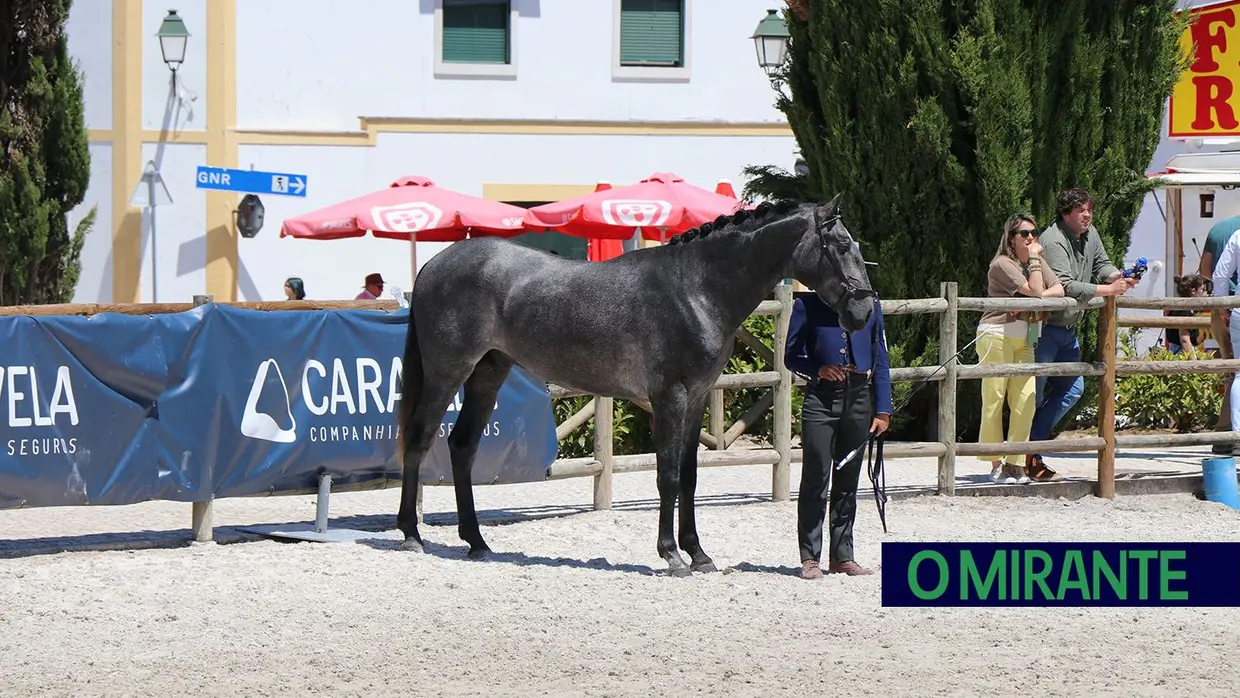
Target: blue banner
column 224, row 402
column 1061, row 574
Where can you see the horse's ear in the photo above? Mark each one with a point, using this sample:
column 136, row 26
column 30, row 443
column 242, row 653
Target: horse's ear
column 833, row 206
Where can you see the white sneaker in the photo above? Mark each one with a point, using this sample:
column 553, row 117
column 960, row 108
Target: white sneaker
column 996, row 474
column 1014, row 475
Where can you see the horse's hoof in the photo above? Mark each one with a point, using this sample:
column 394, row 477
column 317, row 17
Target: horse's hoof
column 704, row 567
column 679, row 572
column 479, row 553
column 411, row 545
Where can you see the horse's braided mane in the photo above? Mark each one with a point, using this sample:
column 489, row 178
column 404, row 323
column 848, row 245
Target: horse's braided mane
column 743, row 220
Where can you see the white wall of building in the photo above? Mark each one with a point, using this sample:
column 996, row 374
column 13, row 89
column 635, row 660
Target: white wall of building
column 90, row 46
column 323, row 66
column 334, row 62
column 180, row 248
column 95, row 282
column 462, row 162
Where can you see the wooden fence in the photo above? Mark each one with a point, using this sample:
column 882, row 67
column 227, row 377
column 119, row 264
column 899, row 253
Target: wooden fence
column 719, row 438
column 947, row 374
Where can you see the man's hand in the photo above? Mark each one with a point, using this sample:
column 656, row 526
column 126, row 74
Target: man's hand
column 881, row 422
column 1119, row 286
column 831, row 373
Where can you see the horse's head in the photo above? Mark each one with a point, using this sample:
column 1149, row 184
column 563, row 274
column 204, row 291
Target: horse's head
column 829, row 261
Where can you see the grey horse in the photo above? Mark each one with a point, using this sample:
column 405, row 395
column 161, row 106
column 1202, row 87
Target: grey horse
column 654, row 325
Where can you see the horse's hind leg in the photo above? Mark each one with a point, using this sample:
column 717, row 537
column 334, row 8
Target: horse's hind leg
column 671, row 438
column 700, row 561
column 480, row 392
column 419, row 435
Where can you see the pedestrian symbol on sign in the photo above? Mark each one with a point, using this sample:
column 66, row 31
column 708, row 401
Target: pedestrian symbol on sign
column 279, row 184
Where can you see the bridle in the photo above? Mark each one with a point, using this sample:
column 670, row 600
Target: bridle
column 853, row 290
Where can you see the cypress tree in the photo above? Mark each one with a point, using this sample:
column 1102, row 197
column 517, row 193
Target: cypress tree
column 937, row 120
column 44, row 155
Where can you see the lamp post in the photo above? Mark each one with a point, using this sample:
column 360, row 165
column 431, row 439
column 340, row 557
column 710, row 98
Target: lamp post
column 770, row 41
column 173, row 36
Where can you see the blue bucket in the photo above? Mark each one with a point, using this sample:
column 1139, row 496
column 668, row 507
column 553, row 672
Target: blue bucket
column 1219, row 477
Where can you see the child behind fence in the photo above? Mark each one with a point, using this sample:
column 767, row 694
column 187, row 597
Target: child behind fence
column 1187, row 286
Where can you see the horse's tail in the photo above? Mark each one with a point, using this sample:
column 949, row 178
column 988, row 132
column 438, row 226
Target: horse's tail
column 411, row 384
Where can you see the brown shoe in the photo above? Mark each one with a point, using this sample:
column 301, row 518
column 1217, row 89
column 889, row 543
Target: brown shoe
column 810, row 570
column 849, row 568
column 1037, row 471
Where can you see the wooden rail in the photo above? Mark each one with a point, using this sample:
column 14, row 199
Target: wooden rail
column 947, row 375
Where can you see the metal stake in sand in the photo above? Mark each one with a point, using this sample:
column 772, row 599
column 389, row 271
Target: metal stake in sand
column 321, row 506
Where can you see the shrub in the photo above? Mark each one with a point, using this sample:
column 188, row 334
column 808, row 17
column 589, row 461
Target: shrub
column 1185, row 402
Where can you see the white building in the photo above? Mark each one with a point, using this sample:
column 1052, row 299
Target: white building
column 520, row 100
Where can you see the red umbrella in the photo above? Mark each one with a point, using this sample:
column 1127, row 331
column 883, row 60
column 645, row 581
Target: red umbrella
column 602, row 249
column 660, row 206
column 409, row 206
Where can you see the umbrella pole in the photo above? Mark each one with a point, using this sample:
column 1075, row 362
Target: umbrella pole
column 413, row 259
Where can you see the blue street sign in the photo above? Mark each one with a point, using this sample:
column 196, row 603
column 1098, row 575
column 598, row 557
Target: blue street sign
column 251, row 181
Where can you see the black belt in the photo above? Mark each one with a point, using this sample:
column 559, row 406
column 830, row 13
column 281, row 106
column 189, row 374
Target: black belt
column 853, row 378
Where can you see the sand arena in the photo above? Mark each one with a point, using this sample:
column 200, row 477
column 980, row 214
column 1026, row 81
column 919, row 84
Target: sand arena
column 577, row 604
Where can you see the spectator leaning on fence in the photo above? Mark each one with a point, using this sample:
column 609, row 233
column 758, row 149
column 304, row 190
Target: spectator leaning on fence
column 1216, row 240
column 1009, row 337
column 1223, row 271
column 1073, row 248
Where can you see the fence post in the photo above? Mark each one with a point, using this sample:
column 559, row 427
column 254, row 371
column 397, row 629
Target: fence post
column 781, row 474
column 947, row 389
column 1107, row 321
column 202, row 527
column 603, row 442
column 717, row 426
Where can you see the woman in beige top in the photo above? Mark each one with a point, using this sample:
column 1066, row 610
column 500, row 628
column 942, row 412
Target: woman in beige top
column 1008, row 337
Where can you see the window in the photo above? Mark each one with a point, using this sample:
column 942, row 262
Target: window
column 651, row 40
column 475, row 37
column 650, row 33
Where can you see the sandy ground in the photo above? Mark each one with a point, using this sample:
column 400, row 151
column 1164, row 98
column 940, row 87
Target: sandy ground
column 578, row 605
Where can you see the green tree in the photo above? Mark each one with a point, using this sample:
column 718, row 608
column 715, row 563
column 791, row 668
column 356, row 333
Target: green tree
column 938, row 120
column 44, row 155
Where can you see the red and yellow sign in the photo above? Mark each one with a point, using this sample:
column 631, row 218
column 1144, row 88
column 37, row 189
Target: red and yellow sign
column 1206, row 100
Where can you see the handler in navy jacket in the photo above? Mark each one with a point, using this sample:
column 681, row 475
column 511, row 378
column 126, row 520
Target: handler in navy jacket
column 848, row 396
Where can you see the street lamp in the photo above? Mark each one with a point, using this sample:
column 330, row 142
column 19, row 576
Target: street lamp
column 172, row 39
column 770, row 40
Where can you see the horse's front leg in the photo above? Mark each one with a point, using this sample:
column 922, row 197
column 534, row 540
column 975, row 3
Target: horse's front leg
column 669, row 419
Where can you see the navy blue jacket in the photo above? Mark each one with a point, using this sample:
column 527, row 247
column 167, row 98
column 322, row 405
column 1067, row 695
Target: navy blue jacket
column 815, row 338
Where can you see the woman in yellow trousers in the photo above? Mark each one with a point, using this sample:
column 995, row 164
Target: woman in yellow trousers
column 1009, row 337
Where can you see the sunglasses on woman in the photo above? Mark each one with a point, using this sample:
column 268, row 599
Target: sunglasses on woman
column 1022, row 233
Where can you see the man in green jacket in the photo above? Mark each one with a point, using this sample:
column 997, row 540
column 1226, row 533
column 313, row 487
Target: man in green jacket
column 1074, row 251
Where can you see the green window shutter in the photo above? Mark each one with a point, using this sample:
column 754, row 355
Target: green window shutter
column 651, row 33
column 475, row 31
